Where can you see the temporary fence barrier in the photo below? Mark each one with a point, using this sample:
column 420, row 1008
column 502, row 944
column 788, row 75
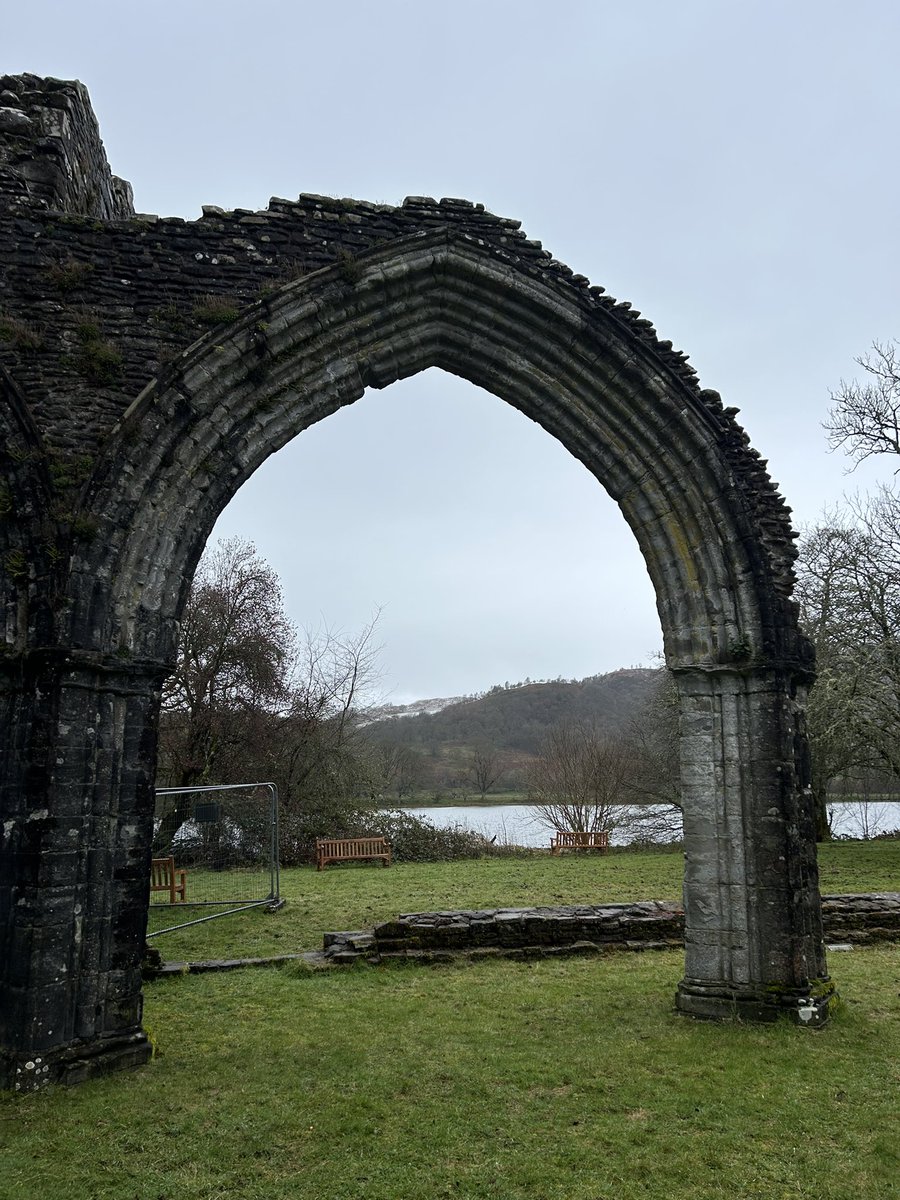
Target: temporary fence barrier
column 221, row 842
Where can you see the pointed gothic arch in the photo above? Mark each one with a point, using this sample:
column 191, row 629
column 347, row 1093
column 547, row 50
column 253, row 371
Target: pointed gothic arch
column 93, row 631
column 664, row 451
column 711, row 527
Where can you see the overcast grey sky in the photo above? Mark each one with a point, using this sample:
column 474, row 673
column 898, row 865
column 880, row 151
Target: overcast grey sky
column 730, row 168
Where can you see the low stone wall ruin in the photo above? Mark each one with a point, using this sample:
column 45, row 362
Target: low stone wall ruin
column 579, row 929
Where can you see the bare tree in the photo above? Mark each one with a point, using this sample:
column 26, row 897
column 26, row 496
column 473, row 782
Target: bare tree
column 874, row 566
column 652, row 736
column 235, row 656
column 322, row 757
column 395, row 768
column 579, row 779
column 863, row 803
column 865, row 417
column 486, row 767
column 849, row 592
column 250, row 697
column 826, row 591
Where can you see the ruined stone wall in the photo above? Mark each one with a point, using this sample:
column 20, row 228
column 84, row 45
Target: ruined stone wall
column 95, row 299
column 854, row 919
column 51, row 156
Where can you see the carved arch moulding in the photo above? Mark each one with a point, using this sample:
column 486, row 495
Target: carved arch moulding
column 150, row 365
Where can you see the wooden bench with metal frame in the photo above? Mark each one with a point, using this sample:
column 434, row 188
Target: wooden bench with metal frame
column 347, row 849
column 164, row 877
column 597, row 839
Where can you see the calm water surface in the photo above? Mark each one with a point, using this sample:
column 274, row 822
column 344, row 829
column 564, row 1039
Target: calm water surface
column 864, row 819
column 514, row 824
column 517, row 825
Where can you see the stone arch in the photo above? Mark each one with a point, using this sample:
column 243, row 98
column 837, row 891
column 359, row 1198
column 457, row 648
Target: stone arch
column 713, row 531
column 668, row 454
column 711, row 528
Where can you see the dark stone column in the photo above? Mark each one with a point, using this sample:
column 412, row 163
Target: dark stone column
column 753, row 925
column 76, row 805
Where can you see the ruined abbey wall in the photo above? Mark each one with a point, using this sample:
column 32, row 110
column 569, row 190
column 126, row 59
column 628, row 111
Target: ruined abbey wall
column 95, row 299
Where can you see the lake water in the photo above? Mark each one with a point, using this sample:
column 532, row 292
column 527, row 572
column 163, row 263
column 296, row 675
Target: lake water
column 513, row 824
column 860, row 819
column 516, row 824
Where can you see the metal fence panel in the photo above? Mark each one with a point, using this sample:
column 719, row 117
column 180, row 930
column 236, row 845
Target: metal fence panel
column 224, row 839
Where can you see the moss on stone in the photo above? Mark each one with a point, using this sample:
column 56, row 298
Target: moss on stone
column 69, row 470
column 350, row 268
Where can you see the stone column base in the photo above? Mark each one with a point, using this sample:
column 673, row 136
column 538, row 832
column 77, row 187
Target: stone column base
column 69, row 1065
column 810, row 1007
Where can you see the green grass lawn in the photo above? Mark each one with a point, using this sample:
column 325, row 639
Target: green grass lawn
column 553, row 1080
column 568, row 1080
column 859, row 866
column 357, row 896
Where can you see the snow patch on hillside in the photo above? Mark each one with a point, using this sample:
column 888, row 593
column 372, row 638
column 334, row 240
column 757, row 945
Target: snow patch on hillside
column 393, row 712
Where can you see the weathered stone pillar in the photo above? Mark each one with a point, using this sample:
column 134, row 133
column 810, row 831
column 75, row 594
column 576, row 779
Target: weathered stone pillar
column 753, row 927
column 76, row 808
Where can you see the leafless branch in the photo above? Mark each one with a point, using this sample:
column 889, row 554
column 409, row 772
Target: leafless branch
column 864, row 418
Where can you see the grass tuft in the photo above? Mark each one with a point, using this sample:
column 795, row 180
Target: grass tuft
column 19, row 334
column 216, row 310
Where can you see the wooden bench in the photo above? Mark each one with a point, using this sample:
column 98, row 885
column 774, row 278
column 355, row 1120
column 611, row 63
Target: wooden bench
column 575, row 840
column 165, row 878
column 345, row 849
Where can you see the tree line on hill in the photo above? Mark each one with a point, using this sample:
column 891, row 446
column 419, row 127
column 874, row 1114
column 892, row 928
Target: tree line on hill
column 515, row 719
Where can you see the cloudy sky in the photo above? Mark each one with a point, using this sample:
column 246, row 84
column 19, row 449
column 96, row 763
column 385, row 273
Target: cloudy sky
column 731, row 169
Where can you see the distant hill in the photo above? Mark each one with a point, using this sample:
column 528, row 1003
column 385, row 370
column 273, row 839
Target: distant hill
column 415, row 708
column 516, row 718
